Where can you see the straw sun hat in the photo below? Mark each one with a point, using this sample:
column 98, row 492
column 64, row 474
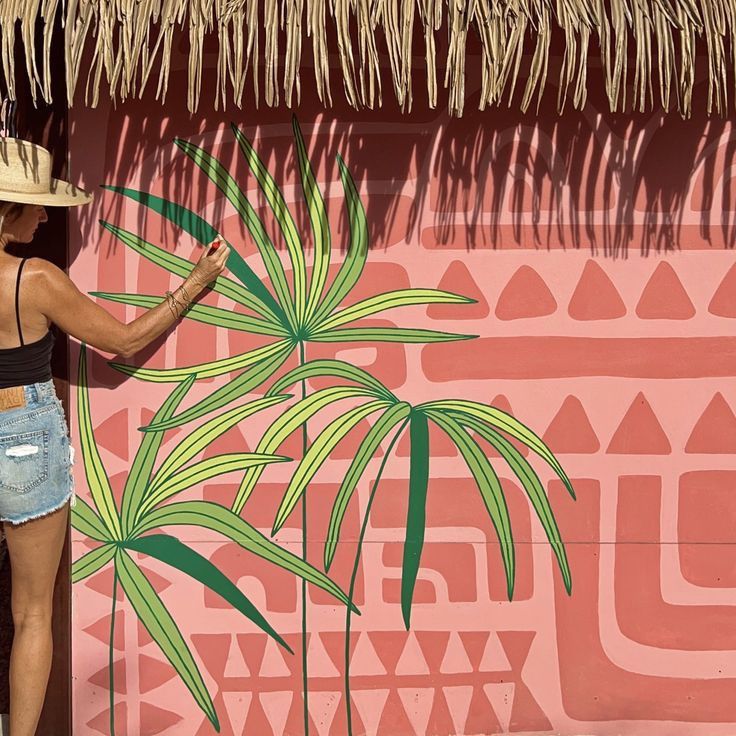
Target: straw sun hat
column 25, row 177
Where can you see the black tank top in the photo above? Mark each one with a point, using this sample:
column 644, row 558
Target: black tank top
column 27, row 363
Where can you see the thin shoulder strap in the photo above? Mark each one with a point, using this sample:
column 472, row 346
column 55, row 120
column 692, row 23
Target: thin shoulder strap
column 17, row 294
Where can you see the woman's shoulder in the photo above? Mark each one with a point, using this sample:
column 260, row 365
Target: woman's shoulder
column 43, row 270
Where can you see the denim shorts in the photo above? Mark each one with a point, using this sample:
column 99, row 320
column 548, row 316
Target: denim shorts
column 35, row 456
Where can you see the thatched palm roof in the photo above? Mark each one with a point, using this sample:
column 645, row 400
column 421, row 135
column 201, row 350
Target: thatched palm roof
column 123, row 47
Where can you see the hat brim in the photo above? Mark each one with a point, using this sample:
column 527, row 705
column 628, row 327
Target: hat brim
column 61, row 194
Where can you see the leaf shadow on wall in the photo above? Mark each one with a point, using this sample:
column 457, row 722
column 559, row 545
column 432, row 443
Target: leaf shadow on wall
column 496, row 178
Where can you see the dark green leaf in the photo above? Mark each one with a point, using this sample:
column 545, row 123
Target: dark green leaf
column 172, row 552
column 416, row 515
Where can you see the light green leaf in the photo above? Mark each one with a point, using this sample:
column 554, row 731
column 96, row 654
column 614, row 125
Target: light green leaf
column 357, row 253
column 387, row 334
column 88, row 564
column 335, row 369
column 217, row 518
column 216, row 316
column 222, row 179
column 283, row 217
column 391, row 300
column 203, row 471
column 386, row 422
column 505, row 422
column 417, row 511
column 317, row 218
column 94, row 470
column 86, row 521
column 287, row 423
column 318, row 453
column 177, row 555
column 488, row 485
column 203, row 370
column 139, row 475
column 186, row 450
column 245, row 383
column 533, row 487
column 163, row 630
column 183, row 267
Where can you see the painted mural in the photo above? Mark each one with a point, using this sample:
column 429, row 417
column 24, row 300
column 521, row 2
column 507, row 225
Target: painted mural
column 442, row 348
column 305, row 308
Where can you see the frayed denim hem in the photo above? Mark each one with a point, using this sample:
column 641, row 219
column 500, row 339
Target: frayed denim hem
column 70, row 499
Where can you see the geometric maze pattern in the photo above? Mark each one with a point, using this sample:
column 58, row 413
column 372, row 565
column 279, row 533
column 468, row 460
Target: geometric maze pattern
column 624, row 366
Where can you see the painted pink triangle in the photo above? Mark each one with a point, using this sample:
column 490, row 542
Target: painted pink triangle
column 153, row 673
column 112, row 434
column 639, row 432
column 100, row 630
column 156, row 720
column 276, row 706
column 101, row 722
column 101, row 678
column 715, row 431
column 457, row 279
column 418, row 705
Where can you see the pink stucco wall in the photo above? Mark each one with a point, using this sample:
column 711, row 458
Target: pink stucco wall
column 596, row 248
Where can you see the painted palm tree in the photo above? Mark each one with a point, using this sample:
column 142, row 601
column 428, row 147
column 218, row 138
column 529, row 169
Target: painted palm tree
column 461, row 420
column 305, row 308
column 146, row 507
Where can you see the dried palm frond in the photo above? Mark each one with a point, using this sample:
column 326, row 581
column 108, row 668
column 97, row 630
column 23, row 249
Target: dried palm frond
column 648, row 46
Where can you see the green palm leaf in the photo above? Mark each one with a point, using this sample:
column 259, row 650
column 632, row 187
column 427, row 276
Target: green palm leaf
column 488, row 485
column 177, row 555
column 187, row 220
column 203, row 436
column 318, row 220
column 417, row 511
column 216, row 316
column 357, row 253
column 183, row 267
column 246, row 382
column 94, row 470
column 91, row 562
column 205, row 370
column 293, row 418
column 391, row 300
column 86, row 521
column 333, row 368
column 507, row 423
column 317, row 454
column 283, row 217
column 207, row 515
column 533, row 488
column 145, row 457
column 204, row 471
column 222, row 179
column 377, row 433
column 387, row 334
column 163, row 630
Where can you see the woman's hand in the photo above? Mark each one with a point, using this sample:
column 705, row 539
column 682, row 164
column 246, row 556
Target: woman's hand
column 209, row 267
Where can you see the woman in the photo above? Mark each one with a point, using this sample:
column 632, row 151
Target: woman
column 35, row 473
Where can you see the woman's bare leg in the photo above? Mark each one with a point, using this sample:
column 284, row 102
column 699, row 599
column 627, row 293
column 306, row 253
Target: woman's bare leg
column 35, row 550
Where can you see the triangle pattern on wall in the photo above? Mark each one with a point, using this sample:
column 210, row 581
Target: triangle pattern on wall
column 595, row 297
column 525, row 296
column 664, row 296
column 639, row 432
column 715, row 431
